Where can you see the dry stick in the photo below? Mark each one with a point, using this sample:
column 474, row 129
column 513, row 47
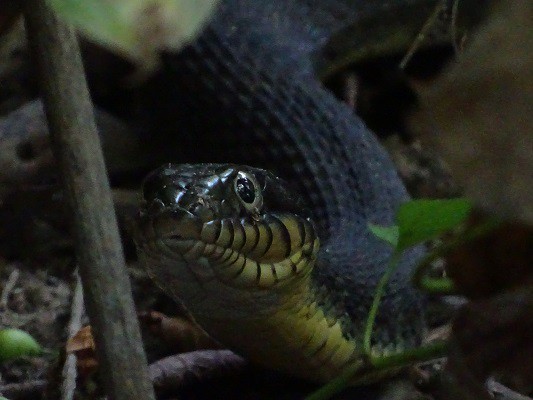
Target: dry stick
column 101, row 261
column 422, row 35
column 69, row 372
column 8, row 287
column 172, row 373
column 351, row 89
column 501, row 392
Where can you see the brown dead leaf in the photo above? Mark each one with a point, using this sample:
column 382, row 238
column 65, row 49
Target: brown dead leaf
column 499, row 261
column 483, row 110
column 182, row 334
column 82, row 345
column 82, row 340
column 492, row 337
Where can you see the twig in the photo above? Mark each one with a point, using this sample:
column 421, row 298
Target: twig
column 172, row 373
column 501, row 392
column 351, row 89
column 8, row 288
column 69, row 368
column 101, row 261
column 422, row 35
column 453, row 30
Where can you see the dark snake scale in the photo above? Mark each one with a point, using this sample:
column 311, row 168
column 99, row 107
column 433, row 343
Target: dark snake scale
column 246, row 93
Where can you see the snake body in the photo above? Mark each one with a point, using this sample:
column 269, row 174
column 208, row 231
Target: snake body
column 287, row 288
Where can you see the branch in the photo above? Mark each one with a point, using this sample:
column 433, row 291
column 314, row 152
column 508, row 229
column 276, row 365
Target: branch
column 101, row 261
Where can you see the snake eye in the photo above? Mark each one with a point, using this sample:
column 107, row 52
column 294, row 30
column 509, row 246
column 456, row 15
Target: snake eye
column 248, row 190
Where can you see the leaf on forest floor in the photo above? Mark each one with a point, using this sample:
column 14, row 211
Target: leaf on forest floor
column 492, row 337
column 15, row 343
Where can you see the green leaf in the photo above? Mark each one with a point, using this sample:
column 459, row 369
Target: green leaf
column 422, row 220
column 137, row 29
column 387, row 233
column 15, row 343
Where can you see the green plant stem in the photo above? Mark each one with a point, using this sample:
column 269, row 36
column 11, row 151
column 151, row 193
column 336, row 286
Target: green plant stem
column 422, row 353
column 369, row 365
column 375, row 364
column 378, row 294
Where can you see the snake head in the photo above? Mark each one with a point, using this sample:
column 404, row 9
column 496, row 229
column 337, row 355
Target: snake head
column 224, row 227
column 218, row 191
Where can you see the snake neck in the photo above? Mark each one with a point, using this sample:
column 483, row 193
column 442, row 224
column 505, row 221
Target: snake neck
column 296, row 337
column 300, row 337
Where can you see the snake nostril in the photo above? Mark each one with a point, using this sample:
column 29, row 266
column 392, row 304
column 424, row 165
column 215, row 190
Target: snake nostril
column 162, row 188
column 196, row 207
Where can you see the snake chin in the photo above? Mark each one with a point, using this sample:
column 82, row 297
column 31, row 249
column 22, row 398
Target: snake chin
column 206, row 289
column 216, row 280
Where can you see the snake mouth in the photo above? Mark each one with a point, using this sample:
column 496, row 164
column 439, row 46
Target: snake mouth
column 156, row 222
column 197, row 222
column 240, row 252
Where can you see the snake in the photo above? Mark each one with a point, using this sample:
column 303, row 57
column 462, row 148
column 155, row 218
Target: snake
column 261, row 229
